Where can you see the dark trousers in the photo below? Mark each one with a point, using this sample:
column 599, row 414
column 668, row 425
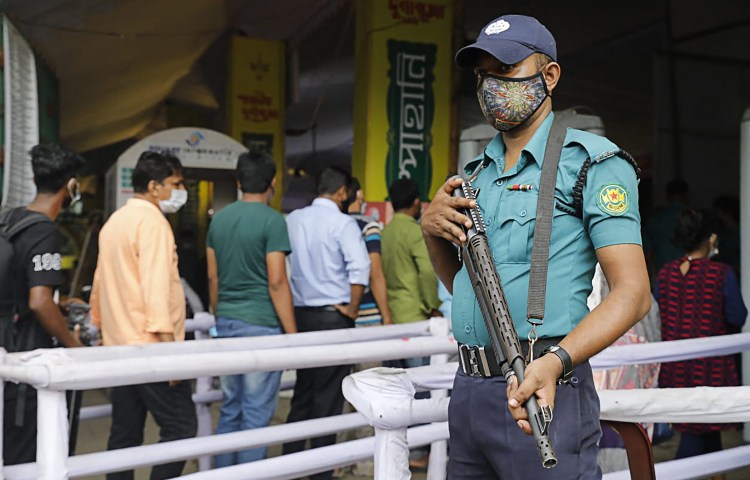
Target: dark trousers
column 19, row 426
column 317, row 392
column 692, row 444
column 172, row 409
column 486, row 443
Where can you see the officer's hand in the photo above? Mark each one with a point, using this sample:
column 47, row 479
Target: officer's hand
column 442, row 219
column 541, row 379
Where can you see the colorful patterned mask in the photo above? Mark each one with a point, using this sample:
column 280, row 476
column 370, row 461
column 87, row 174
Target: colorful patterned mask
column 508, row 102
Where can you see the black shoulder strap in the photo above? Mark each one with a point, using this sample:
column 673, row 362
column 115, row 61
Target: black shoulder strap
column 11, row 230
column 543, row 226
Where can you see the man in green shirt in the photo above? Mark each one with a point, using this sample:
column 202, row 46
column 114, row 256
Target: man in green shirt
column 409, row 276
column 250, row 295
column 411, row 281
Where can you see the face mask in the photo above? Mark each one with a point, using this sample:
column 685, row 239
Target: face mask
column 363, row 209
column 76, row 205
column 714, row 252
column 508, row 102
column 176, row 200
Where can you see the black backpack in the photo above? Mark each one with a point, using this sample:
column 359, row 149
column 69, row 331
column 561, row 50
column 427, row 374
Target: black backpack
column 12, row 337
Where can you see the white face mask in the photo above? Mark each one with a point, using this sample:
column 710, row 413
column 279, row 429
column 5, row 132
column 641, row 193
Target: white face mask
column 176, row 200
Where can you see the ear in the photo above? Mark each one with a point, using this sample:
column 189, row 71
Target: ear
column 153, row 185
column 417, row 203
column 273, row 182
column 551, row 75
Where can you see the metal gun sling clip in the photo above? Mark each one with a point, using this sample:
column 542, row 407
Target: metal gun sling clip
column 544, row 418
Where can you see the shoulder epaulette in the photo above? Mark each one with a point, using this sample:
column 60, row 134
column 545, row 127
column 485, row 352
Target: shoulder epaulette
column 598, row 149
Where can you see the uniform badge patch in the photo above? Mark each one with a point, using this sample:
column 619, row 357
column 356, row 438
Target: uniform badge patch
column 613, row 199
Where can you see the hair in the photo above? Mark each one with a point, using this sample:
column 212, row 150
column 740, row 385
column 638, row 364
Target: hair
column 53, row 167
column 403, row 192
column 542, row 60
column 692, row 228
column 154, row 166
column 677, row 187
column 255, row 171
column 353, row 189
column 331, row 179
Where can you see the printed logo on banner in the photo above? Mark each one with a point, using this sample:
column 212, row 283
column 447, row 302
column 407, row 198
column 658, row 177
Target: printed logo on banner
column 195, row 138
column 410, row 111
column 260, row 68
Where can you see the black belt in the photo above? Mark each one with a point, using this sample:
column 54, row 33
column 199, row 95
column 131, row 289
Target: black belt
column 481, row 361
column 322, row 308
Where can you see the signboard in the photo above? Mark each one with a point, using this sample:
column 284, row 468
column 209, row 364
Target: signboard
column 256, row 100
column 195, row 147
column 403, row 89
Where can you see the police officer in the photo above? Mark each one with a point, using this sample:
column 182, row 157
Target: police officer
column 595, row 219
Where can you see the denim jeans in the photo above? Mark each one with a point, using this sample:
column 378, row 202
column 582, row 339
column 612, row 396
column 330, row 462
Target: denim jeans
column 250, row 399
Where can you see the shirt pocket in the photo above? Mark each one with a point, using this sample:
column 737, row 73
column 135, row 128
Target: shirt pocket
column 516, row 215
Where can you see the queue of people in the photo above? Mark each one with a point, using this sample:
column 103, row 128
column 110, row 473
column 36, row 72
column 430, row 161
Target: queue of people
column 326, row 267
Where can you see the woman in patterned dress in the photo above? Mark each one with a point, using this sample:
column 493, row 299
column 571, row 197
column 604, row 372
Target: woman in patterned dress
column 698, row 297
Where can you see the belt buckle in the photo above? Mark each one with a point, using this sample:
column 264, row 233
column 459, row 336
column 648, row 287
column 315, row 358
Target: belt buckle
column 469, row 360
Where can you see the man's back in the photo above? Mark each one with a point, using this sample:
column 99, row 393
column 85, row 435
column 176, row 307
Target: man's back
column 242, row 234
column 411, row 280
column 37, row 262
column 137, row 288
column 328, row 255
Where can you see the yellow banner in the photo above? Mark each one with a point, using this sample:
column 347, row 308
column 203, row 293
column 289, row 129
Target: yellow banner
column 402, row 113
column 256, row 99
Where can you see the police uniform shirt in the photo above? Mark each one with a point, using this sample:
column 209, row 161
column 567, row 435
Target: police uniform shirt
column 508, row 201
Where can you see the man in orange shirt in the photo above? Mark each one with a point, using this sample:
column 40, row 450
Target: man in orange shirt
column 137, row 298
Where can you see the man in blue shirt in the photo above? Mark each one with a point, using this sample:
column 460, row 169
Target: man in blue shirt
column 595, row 219
column 330, row 268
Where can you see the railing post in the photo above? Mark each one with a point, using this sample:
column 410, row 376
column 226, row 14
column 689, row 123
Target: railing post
column 438, row 461
column 52, row 435
column 202, row 410
column 391, row 454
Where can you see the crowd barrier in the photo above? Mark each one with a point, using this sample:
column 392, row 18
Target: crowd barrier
column 54, row 371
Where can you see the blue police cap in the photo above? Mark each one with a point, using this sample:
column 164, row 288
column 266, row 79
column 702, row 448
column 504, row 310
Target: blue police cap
column 510, row 39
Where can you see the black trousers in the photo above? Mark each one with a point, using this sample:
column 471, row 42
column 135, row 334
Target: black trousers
column 20, row 423
column 317, row 392
column 172, row 409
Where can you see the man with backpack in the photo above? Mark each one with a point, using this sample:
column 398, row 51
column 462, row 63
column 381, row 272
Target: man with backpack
column 30, row 262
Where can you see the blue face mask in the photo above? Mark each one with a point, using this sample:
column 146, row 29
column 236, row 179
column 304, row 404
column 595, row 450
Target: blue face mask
column 508, row 102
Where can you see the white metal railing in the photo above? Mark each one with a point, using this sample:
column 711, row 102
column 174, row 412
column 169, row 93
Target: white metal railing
column 384, row 397
column 53, row 371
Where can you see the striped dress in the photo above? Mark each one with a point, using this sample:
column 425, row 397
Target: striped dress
column 704, row 302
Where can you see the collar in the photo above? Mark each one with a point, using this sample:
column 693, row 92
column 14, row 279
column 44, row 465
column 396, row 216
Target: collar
column 325, row 202
column 535, row 148
column 403, row 216
column 141, row 202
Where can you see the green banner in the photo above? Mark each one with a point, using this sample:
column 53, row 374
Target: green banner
column 410, row 112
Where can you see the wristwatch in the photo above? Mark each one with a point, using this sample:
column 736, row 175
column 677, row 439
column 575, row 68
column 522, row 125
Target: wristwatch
column 564, row 357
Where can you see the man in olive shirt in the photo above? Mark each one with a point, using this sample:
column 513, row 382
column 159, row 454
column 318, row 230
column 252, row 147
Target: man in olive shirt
column 250, row 295
column 411, row 281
